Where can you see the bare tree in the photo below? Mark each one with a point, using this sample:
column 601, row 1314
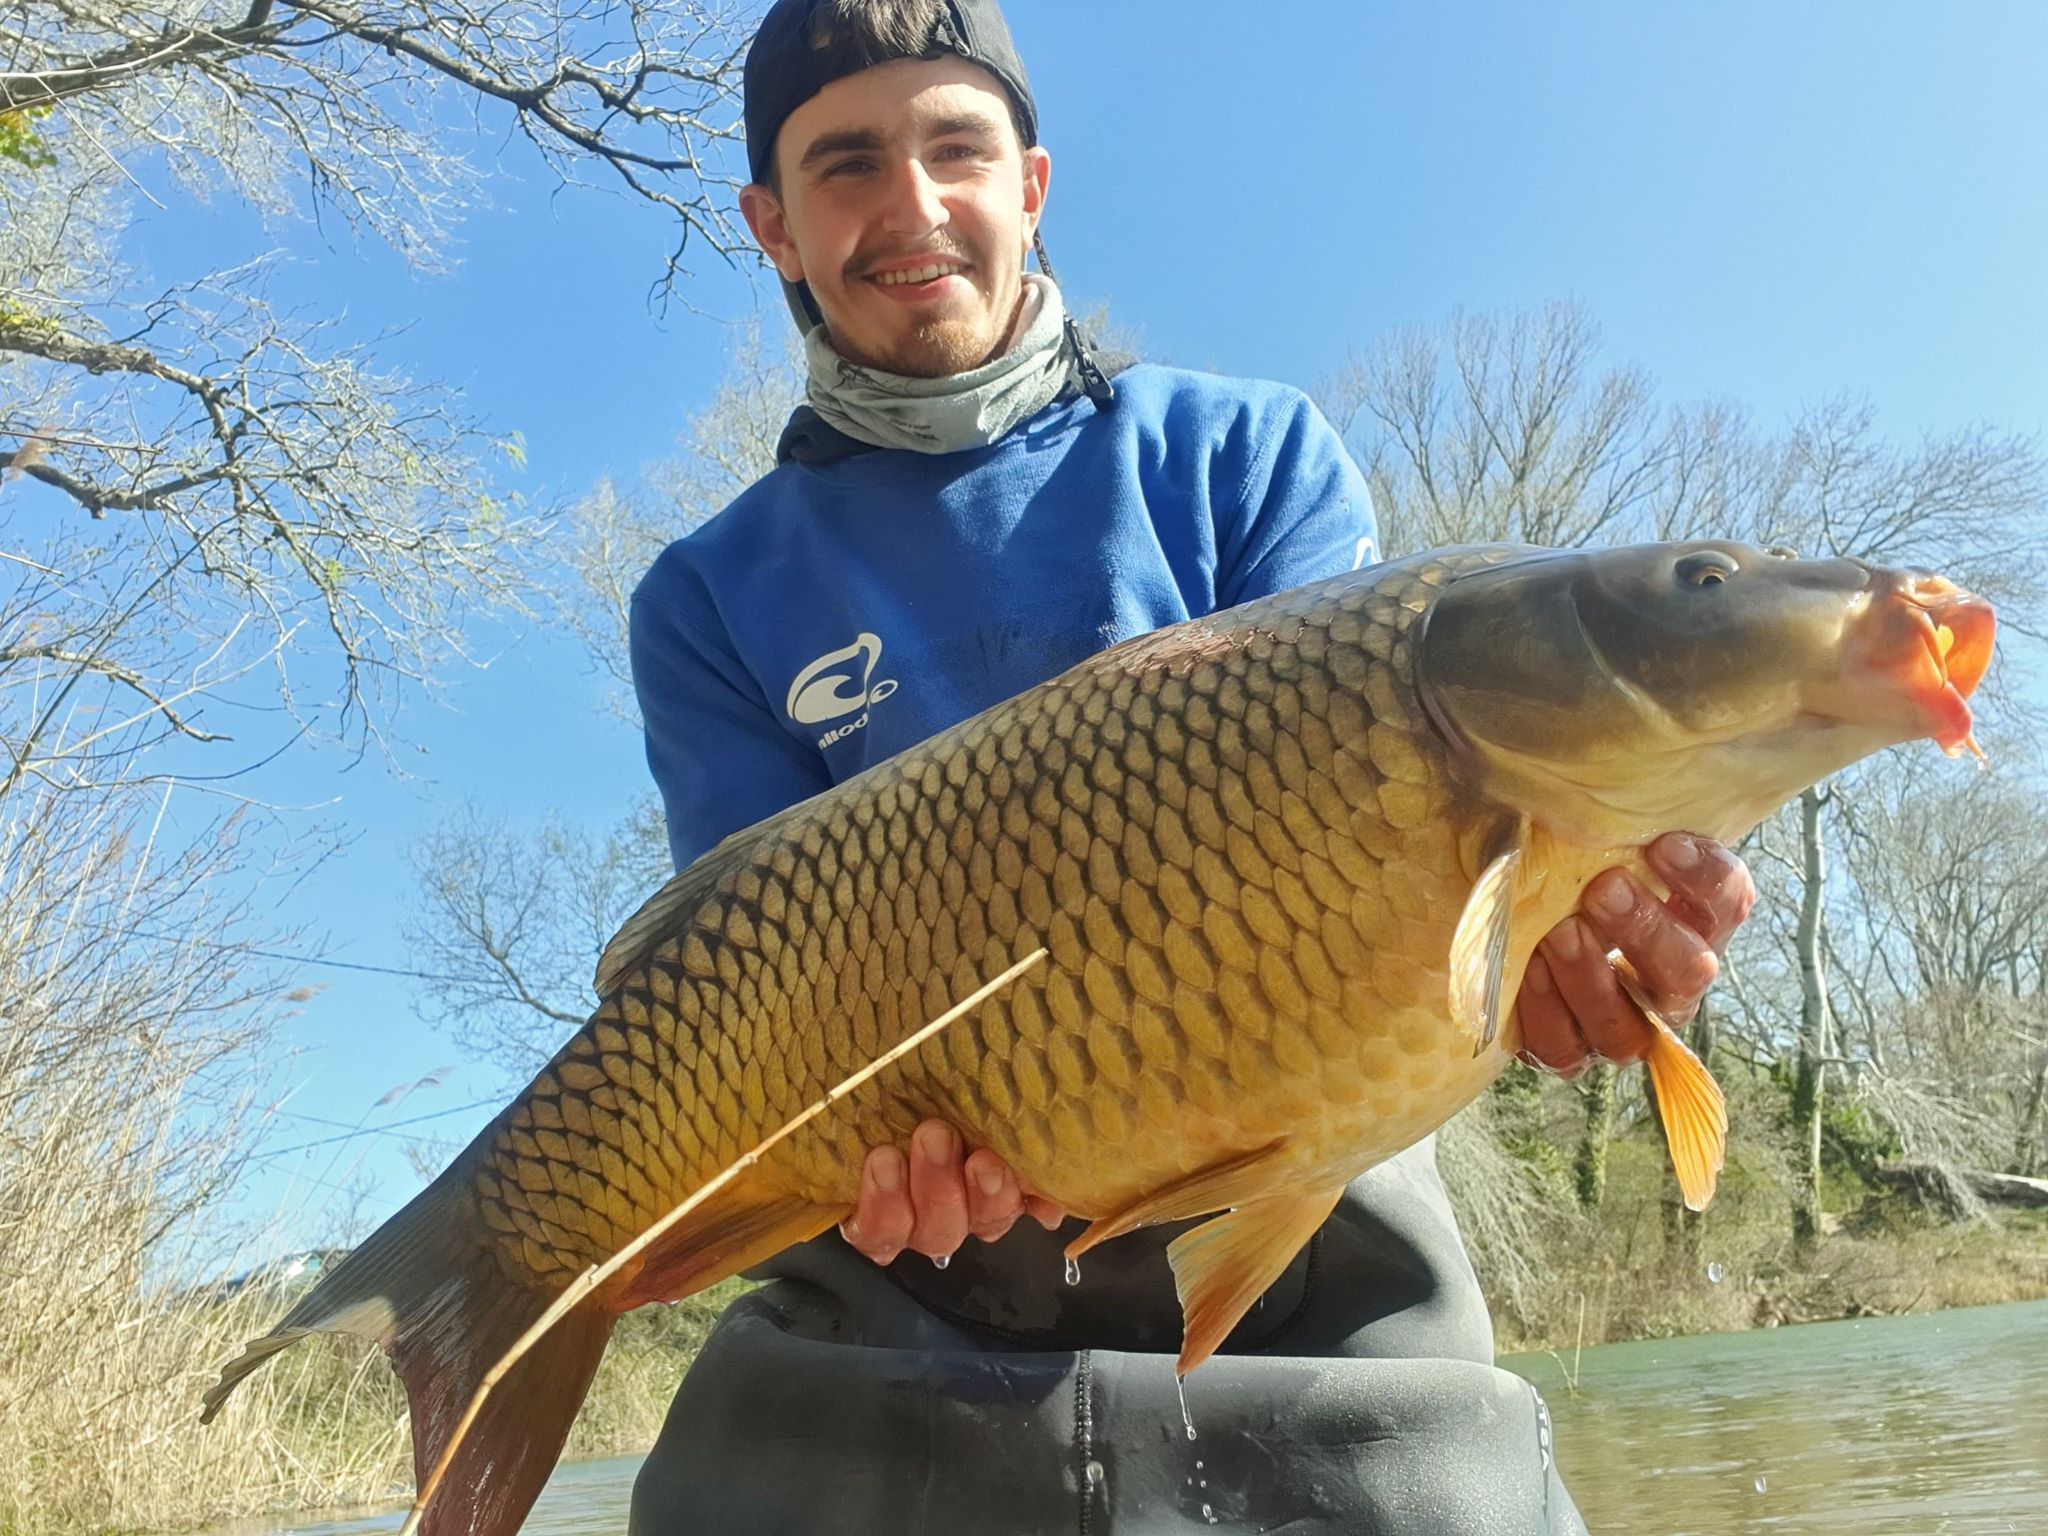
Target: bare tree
column 509, row 923
column 1508, row 428
column 343, row 96
column 201, row 490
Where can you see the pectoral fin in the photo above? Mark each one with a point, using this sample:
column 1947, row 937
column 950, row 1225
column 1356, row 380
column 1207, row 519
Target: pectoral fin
column 1479, row 949
column 1695, row 1116
column 1234, row 1181
column 1223, row 1266
column 1689, row 1101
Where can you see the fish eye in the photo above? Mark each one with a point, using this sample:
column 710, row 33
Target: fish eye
column 1708, row 568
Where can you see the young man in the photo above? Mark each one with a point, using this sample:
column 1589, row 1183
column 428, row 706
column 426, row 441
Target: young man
column 970, row 502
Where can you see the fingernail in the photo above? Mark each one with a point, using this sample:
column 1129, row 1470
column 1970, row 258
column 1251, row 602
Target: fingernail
column 991, row 1181
column 1564, row 940
column 936, row 1144
column 1680, row 852
column 888, row 1176
column 1611, row 895
column 1539, row 979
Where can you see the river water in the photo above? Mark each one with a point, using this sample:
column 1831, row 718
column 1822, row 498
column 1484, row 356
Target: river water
column 1930, row 1425
column 1934, row 1424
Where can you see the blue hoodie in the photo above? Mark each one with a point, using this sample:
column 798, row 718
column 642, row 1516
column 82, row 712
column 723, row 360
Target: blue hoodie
column 837, row 613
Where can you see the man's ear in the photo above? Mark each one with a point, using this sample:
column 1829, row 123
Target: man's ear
column 1037, row 180
column 762, row 210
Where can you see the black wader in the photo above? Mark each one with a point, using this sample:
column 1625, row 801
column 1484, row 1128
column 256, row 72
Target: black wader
column 991, row 1398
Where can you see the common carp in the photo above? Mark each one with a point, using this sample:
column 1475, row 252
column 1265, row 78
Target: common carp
column 1288, row 863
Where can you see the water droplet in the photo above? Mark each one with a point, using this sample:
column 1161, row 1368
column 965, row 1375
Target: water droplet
column 1715, row 1273
column 1180, row 1385
column 1762, row 1482
column 1095, row 1474
column 941, row 1260
column 1073, row 1271
column 1208, row 1514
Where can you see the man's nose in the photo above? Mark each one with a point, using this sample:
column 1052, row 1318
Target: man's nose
column 914, row 205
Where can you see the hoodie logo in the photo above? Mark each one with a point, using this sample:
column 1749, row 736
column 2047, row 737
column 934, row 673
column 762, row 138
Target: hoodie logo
column 839, row 683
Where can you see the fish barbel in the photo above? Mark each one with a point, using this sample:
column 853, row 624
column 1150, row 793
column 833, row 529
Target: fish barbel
column 1288, row 863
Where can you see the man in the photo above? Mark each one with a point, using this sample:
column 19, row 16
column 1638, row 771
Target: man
column 972, row 501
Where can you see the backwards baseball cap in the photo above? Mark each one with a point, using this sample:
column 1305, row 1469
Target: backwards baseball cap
column 804, row 45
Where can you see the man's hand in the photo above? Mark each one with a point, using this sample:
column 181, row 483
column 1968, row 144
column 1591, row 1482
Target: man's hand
column 931, row 1200
column 1572, row 1006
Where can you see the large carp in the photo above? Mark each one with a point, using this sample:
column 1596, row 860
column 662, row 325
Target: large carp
column 1288, row 863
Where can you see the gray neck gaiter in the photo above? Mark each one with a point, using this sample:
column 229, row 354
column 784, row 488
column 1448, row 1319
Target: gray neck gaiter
column 964, row 410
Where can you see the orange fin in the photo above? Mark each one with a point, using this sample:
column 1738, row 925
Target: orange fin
column 1234, row 1181
column 1479, row 948
column 427, row 1287
column 1695, row 1115
column 1223, row 1266
column 742, row 1225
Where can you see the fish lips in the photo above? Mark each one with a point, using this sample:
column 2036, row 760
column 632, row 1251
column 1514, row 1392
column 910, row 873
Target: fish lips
column 1918, row 650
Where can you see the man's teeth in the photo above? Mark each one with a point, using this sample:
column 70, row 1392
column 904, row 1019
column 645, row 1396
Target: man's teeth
column 924, row 274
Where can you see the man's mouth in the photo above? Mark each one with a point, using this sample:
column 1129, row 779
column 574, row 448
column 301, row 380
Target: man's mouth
column 929, row 272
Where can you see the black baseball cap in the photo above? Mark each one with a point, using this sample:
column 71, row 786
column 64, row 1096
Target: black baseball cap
column 804, row 45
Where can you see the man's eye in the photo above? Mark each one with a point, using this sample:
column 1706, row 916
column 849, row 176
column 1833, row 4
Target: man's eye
column 848, row 167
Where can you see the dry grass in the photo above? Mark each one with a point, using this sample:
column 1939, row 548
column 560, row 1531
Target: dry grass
column 125, row 1069
column 124, row 1059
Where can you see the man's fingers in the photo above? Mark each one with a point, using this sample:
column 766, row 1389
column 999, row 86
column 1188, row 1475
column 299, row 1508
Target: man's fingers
column 1674, row 964
column 881, row 1222
column 938, row 1190
column 1606, row 1019
column 1043, row 1211
column 1549, row 1038
column 1711, row 889
column 994, row 1202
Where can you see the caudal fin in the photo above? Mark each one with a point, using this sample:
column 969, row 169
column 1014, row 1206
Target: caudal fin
column 1695, row 1116
column 426, row 1287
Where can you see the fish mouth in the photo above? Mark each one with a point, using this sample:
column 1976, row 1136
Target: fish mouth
column 1950, row 634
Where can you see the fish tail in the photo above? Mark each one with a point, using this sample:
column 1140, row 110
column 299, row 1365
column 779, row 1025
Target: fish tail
column 427, row 1289
column 1695, row 1116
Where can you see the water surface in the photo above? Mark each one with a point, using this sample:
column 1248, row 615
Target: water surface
column 1930, row 1425
column 1934, row 1424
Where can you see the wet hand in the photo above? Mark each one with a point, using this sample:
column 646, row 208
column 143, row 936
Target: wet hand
column 930, row 1200
column 1573, row 1007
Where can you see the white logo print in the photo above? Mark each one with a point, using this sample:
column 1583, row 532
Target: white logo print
column 838, row 683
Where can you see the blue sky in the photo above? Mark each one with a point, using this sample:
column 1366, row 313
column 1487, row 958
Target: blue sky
column 1765, row 203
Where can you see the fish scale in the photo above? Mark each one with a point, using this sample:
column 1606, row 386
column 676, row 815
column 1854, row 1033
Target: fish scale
column 1231, row 847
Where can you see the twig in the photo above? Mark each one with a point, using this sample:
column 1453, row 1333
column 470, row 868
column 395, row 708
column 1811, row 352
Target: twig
column 1580, row 1343
column 590, row 1279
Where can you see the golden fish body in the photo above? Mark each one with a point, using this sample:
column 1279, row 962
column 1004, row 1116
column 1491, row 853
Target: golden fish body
column 1286, row 863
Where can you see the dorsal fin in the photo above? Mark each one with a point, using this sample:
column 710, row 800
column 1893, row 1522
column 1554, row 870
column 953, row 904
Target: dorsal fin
column 668, row 908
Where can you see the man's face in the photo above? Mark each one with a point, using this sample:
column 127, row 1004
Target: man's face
column 907, row 203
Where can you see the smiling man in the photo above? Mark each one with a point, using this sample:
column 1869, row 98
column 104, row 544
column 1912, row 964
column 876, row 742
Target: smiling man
column 970, row 501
